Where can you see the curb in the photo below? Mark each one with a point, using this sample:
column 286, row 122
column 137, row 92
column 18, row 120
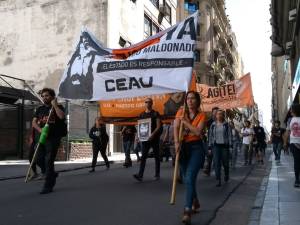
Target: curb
column 64, row 170
column 257, row 207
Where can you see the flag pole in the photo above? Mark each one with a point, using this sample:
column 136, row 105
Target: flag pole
column 38, row 145
column 176, row 167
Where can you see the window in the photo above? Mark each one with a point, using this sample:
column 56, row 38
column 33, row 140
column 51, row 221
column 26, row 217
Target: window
column 147, row 27
column 155, row 29
column 191, row 7
column 168, row 15
column 150, row 28
column 155, row 3
column 197, row 56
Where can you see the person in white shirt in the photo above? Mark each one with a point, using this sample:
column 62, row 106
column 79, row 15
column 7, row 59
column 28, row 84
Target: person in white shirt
column 293, row 132
column 247, row 134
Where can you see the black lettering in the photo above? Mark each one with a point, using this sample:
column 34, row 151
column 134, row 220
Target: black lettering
column 170, row 47
column 106, row 86
column 157, row 48
column 170, row 33
column 133, row 82
column 231, row 90
column 176, row 47
column 121, row 84
column 163, row 47
column 210, row 93
column 146, row 85
column 182, row 47
column 192, row 31
column 216, row 92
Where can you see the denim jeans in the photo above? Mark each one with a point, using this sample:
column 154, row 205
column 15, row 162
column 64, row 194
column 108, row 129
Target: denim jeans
column 189, row 168
column 146, row 145
column 235, row 149
column 221, row 157
column 248, row 153
column 50, row 149
column 277, row 150
column 127, row 147
column 296, row 154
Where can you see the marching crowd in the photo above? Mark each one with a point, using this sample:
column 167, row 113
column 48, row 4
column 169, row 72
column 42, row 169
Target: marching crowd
column 201, row 142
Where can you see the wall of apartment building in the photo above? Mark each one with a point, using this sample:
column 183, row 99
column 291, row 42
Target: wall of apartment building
column 282, row 87
column 38, row 36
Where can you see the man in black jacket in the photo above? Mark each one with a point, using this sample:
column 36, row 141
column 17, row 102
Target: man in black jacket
column 100, row 139
column 153, row 141
column 57, row 129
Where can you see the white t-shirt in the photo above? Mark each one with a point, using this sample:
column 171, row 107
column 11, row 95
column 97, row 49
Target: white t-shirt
column 294, row 127
column 247, row 139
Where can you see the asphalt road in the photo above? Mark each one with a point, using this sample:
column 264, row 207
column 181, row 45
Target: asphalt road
column 113, row 197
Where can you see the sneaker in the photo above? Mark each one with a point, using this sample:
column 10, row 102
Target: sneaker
column 196, row 206
column 33, row 176
column 138, row 177
column 157, row 177
column 297, row 184
column 226, row 179
column 41, row 177
column 186, row 219
column 92, row 170
column 46, row 191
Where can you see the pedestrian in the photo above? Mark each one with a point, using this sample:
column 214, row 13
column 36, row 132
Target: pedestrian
column 192, row 153
column 100, row 139
column 209, row 153
column 293, row 134
column 57, row 129
column 277, row 139
column 152, row 142
column 260, row 137
column 247, row 134
column 236, row 140
column 128, row 134
column 164, row 145
column 220, row 140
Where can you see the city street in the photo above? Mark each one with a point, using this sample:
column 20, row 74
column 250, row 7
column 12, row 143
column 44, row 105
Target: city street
column 113, row 197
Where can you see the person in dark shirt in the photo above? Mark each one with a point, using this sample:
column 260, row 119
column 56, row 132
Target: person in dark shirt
column 209, row 154
column 259, row 136
column 153, row 141
column 57, row 129
column 277, row 139
column 128, row 134
column 100, row 139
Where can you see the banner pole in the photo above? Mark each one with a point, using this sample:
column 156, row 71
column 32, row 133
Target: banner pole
column 176, row 168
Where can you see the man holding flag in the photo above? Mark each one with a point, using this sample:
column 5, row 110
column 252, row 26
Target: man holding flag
column 49, row 123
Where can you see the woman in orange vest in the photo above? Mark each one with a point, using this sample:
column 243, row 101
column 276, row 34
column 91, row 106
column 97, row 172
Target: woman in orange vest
column 192, row 153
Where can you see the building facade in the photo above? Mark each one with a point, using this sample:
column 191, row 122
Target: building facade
column 285, row 22
column 37, row 38
column 216, row 59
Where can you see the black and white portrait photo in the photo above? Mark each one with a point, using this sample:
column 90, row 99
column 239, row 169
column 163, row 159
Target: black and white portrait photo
column 78, row 83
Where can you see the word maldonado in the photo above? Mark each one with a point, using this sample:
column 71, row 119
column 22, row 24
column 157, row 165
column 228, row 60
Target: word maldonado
column 124, row 84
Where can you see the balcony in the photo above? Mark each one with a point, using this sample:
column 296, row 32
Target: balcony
column 217, row 26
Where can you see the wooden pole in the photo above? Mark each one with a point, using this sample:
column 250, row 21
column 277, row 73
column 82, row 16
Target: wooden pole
column 36, row 151
column 176, row 168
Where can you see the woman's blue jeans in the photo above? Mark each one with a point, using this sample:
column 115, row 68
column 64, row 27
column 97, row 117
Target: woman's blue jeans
column 190, row 166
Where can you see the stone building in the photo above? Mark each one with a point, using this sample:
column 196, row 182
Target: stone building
column 217, row 59
column 37, row 38
column 285, row 22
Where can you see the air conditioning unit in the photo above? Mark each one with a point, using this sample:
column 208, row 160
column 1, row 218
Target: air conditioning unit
column 292, row 14
column 162, row 10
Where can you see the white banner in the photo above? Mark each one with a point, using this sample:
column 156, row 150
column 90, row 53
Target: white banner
column 160, row 64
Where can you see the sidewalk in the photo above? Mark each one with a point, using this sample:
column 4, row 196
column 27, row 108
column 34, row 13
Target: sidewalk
column 281, row 205
column 12, row 169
